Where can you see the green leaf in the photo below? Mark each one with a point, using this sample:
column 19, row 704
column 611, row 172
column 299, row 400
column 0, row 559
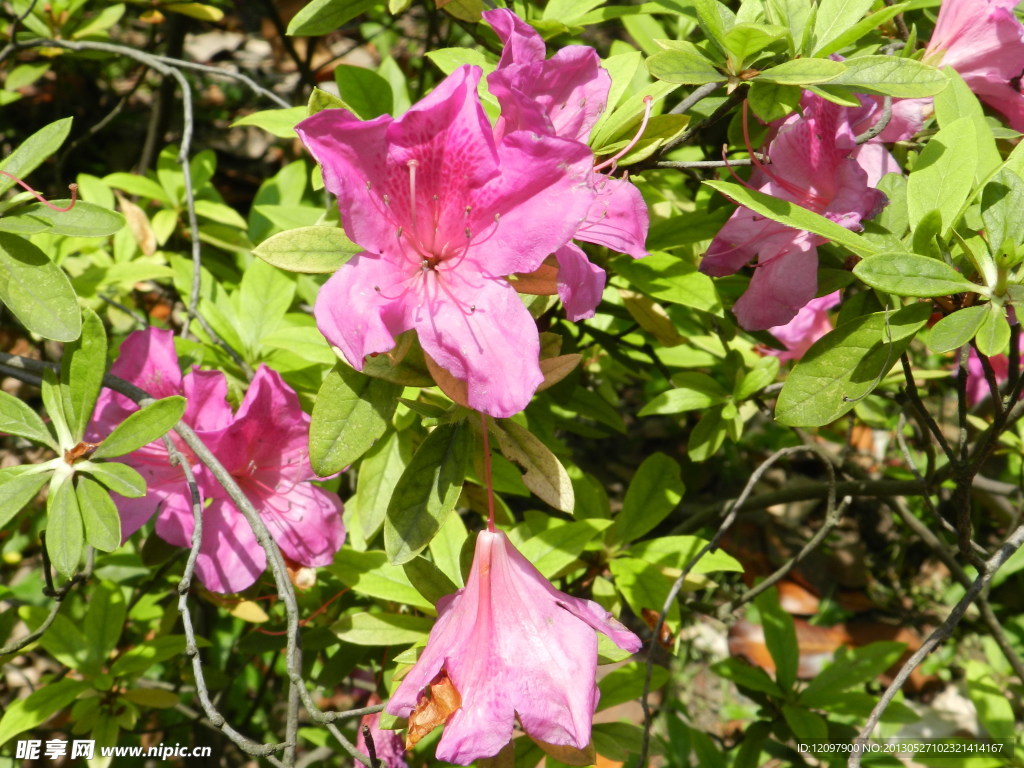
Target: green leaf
column 142, row 427
column 707, row 437
column 626, row 683
column 993, row 336
column 263, row 298
column 802, row 72
column 891, row 76
column 54, row 405
column 366, row 92
column 322, row 17
column 427, row 491
column 714, row 20
column 16, row 490
column 908, row 274
column 379, row 472
column 746, row 676
column 17, row 418
column 834, row 18
column 695, row 391
column 31, row 153
column 139, row 658
column 64, row 539
column 772, row 102
column 795, row 216
column 104, row 621
column 779, row 637
column 1002, row 200
column 677, row 552
column 83, row 220
column 958, row 100
column 957, row 329
column 543, row 473
column 669, row 278
column 655, row 490
column 429, row 580
column 64, row 640
column 851, row 34
column 277, row 122
column 313, row 250
column 37, row 291
column 553, row 549
column 99, row 515
column 684, row 67
column 382, row 629
column 370, row 573
column 81, row 373
column 351, row 413
column 943, row 175
column 806, row 726
column 35, row 709
column 747, row 41
column 851, row 667
column 119, row 478
column 846, row 364
column 761, row 374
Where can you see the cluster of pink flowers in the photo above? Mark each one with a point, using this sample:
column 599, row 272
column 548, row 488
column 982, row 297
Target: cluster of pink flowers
column 263, row 445
column 448, row 207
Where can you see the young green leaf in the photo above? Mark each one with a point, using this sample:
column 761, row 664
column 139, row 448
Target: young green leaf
column 834, row 18
column 794, row 216
column 99, row 515
column 908, row 274
column 382, row 629
column 321, row 17
column 103, row 621
column 802, row 72
column 891, row 76
column 33, row 151
column 1002, row 200
column 845, row 365
column 17, row 418
column 943, row 176
column 427, row 491
column 312, row 250
column 957, row 329
column 117, row 477
column 366, row 92
column 851, row 34
column 142, row 427
column 351, row 413
column 851, row 667
column 37, row 291
column 684, row 67
column 694, row 391
column 35, row 709
column 655, row 490
column 81, row 373
column 993, row 336
column 17, row 489
column 83, row 220
column 780, row 637
column 64, row 539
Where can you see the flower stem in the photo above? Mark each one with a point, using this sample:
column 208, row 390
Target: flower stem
column 487, row 474
column 43, row 200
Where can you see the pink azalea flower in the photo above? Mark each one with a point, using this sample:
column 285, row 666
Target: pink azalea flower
column 514, row 648
column 263, row 446
column 387, row 744
column 984, row 42
column 906, row 119
column 565, row 96
column 812, row 164
column 445, row 213
column 809, row 325
column 977, row 384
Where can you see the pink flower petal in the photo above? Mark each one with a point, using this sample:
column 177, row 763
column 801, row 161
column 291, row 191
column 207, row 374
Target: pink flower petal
column 617, row 218
column 580, row 283
column 780, row 287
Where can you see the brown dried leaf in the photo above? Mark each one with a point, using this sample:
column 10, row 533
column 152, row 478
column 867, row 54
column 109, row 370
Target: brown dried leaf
column 138, row 224
column 432, row 710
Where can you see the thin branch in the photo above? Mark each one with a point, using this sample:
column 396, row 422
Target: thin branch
column 728, row 520
column 347, row 745
column 985, row 576
column 690, row 101
column 880, row 125
column 922, row 412
column 684, row 165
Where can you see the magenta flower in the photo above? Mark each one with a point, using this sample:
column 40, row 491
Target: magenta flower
column 809, row 325
column 514, row 648
column 984, row 42
column 565, row 96
column 812, row 165
column 263, row 446
column 445, row 214
column 873, row 156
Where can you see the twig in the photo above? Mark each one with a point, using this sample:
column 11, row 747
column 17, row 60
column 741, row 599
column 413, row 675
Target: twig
column 371, row 748
column 922, row 412
column 698, row 95
column 880, row 125
column 12, row 30
column 989, row 570
column 731, row 101
column 347, row 745
column 687, row 164
column 729, row 519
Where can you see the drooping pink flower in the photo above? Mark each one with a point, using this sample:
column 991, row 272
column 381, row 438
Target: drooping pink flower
column 984, row 42
column 809, row 325
column 566, row 96
column 387, row 745
column 812, row 165
column 977, row 385
column 263, row 446
column 444, row 214
column 514, row 648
